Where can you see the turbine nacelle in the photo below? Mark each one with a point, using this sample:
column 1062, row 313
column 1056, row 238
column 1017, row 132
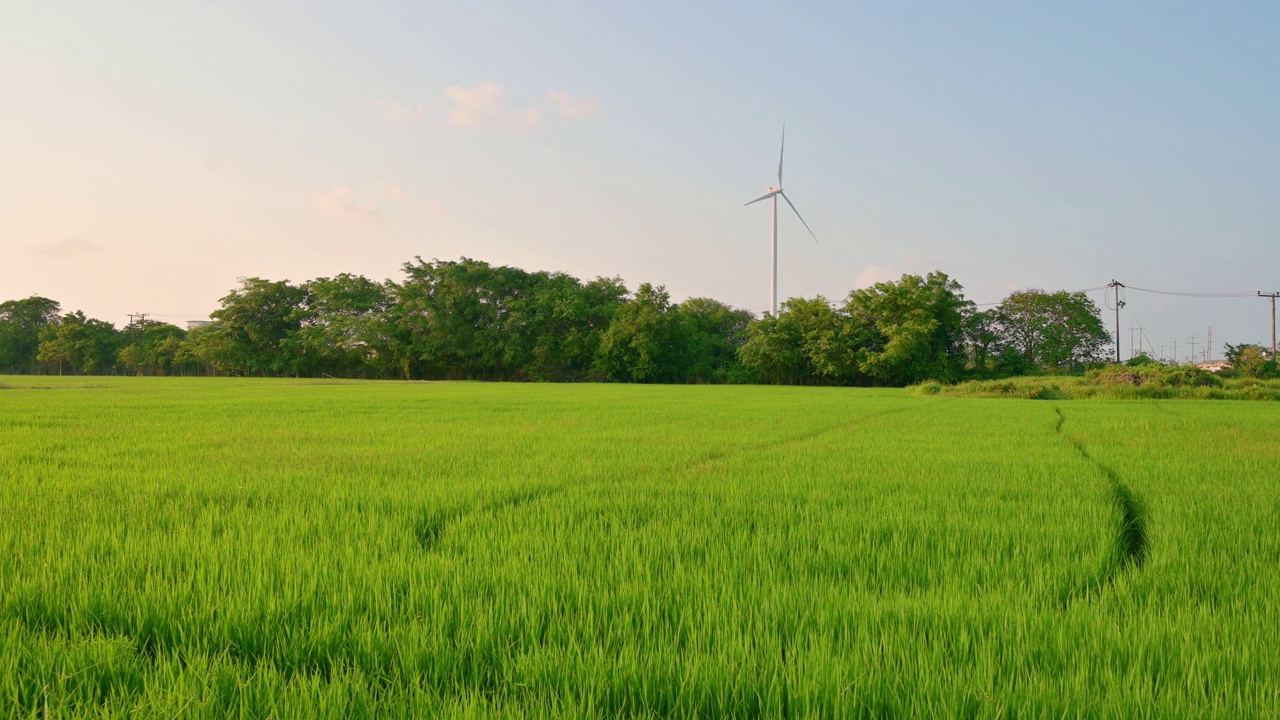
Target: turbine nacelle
column 768, row 193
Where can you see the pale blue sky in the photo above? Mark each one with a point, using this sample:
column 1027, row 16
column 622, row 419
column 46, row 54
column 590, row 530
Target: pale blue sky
column 154, row 152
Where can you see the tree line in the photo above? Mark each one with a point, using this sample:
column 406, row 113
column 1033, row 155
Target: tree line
column 467, row 319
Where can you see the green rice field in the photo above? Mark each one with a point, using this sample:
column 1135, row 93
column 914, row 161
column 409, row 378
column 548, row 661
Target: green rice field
column 210, row 548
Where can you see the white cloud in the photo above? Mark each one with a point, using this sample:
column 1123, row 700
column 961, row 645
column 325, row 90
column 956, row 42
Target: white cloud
column 873, row 274
column 65, row 247
column 485, row 105
column 529, row 117
column 339, row 203
column 569, row 106
column 480, row 104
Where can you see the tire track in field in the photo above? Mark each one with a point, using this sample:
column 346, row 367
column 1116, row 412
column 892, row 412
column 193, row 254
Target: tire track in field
column 432, row 523
column 1131, row 542
column 713, row 457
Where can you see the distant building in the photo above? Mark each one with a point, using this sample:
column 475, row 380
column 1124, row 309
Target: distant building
column 193, row 324
column 1214, row 365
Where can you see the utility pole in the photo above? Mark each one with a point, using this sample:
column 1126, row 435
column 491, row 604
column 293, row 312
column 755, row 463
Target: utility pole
column 1273, row 297
column 1119, row 304
column 1208, row 351
column 1175, row 352
column 1132, row 352
column 1192, row 357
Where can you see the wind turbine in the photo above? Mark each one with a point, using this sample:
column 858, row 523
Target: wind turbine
column 775, row 192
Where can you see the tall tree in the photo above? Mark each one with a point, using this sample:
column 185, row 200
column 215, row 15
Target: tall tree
column 711, row 333
column 910, row 330
column 20, row 324
column 79, row 344
column 150, row 347
column 800, row 346
column 1058, row 329
column 458, row 317
column 642, row 342
column 254, row 328
column 1250, row 360
column 341, row 325
column 561, row 324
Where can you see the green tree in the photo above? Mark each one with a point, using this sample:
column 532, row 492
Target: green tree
column 254, row 330
column 982, row 343
column 209, row 349
column 804, row 344
column 641, row 344
column 561, row 324
column 467, row 319
column 1058, row 329
column 1250, row 360
column 455, row 313
column 80, row 344
column 460, row 318
column 20, row 324
column 711, row 333
column 342, row 326
column 909, row 331
column 1140, row 359
column 150, row 347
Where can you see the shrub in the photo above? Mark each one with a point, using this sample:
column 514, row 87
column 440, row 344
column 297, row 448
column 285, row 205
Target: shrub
column 1153, row 375
column 929, row 387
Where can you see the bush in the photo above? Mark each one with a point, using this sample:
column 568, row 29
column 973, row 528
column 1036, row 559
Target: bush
column 1153, row 375
column 1114, row 382
column 929, row 387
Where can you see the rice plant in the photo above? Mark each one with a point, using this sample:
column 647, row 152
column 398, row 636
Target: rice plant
column 270, row 548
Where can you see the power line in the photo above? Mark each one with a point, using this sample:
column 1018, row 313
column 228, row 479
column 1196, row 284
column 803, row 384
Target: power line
column 1069, row 292
column 1239, row 293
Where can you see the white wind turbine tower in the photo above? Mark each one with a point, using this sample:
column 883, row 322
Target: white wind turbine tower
column 775, row 192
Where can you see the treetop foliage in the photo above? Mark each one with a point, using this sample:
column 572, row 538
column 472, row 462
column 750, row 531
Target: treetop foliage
column 467, row 319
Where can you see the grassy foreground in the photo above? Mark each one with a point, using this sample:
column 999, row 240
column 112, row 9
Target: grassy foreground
column 269, row 548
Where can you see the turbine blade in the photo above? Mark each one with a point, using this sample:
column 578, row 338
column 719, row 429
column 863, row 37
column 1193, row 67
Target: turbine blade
column 797, row 212
column 765, row 196
column 782, row 150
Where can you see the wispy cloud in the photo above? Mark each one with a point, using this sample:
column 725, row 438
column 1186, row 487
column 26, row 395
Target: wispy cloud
column 434, row 210
column 391, row 188
column 65, row 247
column 873, row 274
column 570, row 106
column 913, row 265
column 485, row 104
column 529, row 117
column 338, row 203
